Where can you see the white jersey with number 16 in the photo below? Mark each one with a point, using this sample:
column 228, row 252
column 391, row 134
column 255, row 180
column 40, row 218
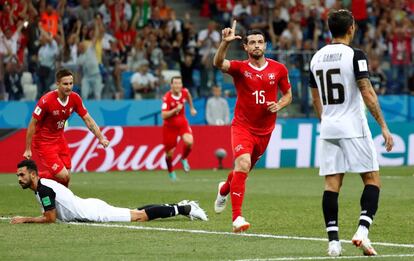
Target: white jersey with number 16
column 334, row 70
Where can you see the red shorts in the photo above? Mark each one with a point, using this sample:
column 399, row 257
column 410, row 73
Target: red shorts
column 53, row 156
column 242, row 142
column 171, row 134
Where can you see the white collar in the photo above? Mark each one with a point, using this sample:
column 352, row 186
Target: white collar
column 261, row 68
column 63, row 103
column 176, row 97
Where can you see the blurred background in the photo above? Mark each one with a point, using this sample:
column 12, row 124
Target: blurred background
column 124, row 53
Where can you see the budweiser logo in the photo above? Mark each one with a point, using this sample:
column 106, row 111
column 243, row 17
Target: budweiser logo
column 89, row 155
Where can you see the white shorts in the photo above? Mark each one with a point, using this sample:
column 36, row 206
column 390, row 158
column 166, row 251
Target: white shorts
column 99, row 211
column 347, row 155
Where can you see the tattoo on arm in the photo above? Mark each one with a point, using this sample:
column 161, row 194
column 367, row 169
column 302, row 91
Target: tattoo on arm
column 371, row 100
column 90, row 123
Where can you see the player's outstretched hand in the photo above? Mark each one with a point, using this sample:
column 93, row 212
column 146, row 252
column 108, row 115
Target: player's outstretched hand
column 273, row 106
column 389, row 141
column 27, row 154
column 17, row 220
column 193, row 111
column 229, row 34
column 104, row 142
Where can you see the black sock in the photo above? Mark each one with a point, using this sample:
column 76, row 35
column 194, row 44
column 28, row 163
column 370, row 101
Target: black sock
column 165, row 211
column 330, row 213
column 369, row 205
column 159, row 211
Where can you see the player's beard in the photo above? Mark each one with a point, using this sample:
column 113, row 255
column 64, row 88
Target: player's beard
column 256, row 54
column 25, row 185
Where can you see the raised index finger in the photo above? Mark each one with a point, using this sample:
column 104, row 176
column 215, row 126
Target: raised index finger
column 234, row 25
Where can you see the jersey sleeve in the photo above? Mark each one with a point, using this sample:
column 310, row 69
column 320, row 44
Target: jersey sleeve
column 234, row 68
column 360, row 65
column 47, row 198
column 312, row 81
column 165, row 104
column 185, row 93
column 284, row 83
column 40, row 109
column 79, row 106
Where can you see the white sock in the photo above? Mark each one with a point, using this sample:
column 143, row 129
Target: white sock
column 362, row 231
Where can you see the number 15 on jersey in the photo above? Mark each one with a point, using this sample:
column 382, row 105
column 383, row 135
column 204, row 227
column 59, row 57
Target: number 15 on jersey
column 260, row 96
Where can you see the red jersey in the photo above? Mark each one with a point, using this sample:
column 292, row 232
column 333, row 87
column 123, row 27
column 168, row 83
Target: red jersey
column 51, row 114
column 169, row 102
column 255, row 87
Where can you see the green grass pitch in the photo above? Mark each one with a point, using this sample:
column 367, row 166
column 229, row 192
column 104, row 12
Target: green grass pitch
column 280, row 202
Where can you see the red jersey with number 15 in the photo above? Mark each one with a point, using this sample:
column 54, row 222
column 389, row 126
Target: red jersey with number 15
column 255, row 87
column 51, row 114
column 169, row 102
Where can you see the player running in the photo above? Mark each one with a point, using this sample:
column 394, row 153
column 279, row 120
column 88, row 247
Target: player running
column 176, row 125
column 257, row 82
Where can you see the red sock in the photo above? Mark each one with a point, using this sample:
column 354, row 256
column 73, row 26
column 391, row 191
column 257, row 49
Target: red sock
column 225, row 189
column 186, row 151
column 169, row 164
column 237, row 188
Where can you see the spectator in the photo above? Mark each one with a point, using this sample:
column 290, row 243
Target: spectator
column 143, row 8
column 12, row 78
column 377, row 76
column 187, row 66
column 49, row 20
column 256, row 19
column 143, row 82
column 91, row 77
column 47, row 55
column 84, row 12
column 208, row 42
column 400, row 59
column 217, row 109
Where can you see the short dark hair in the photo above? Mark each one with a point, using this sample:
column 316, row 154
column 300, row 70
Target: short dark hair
column 63, row 73
column 252, row 32
column 29, row 164
column 175, row 77
column 339, row 22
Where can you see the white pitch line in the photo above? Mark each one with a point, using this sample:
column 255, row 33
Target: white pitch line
column 324, row 257
column 195, row 231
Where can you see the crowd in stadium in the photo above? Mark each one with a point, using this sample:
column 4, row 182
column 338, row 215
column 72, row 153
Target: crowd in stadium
column 121, row 49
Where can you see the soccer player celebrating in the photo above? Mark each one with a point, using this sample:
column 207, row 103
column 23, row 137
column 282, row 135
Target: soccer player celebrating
column 45, row 130
column 176, row 125
column 257, row 82
column 339, row 79
column 58, row 202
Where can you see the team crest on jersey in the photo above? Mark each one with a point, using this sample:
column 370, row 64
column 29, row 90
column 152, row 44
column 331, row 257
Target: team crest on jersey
column 70, row 110
column 238, row 148
column 56, row 112
column 248, row 74
column 55, row 166
column 271, row 76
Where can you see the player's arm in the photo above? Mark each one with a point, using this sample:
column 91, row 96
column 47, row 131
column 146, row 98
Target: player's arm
column 317, row 105
column 168, row 114
column 227, row 35
column 193, row 111
column 371, row 101
column 48, row 216
column 93, row 127
column 29, row 136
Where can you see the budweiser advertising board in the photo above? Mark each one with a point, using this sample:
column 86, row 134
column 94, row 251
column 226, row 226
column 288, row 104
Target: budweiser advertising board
column 131, row 149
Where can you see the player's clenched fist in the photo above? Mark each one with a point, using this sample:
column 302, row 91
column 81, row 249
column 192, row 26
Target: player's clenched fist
column 229, row 34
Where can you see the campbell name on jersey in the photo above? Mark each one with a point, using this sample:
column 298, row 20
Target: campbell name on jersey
column 334, row 70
